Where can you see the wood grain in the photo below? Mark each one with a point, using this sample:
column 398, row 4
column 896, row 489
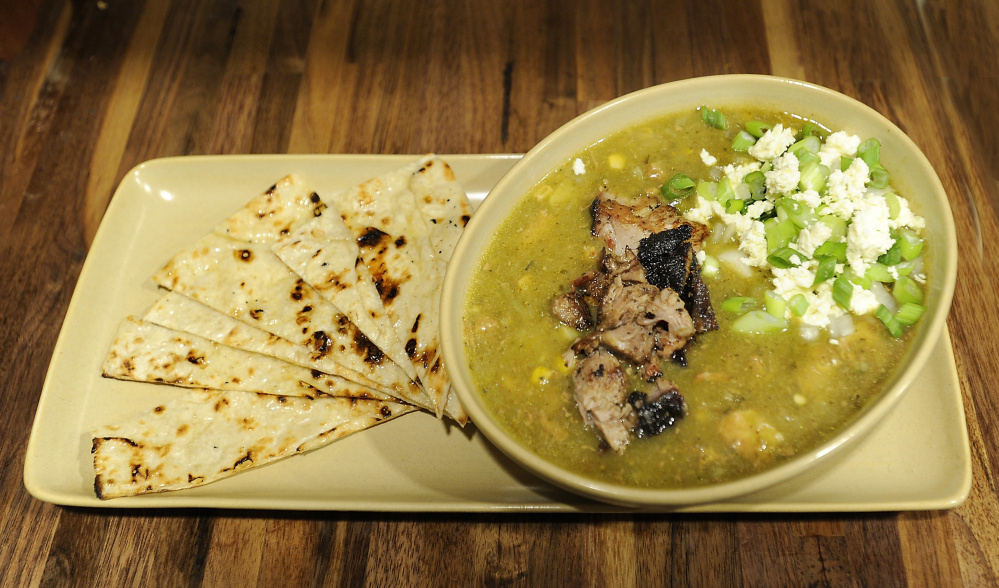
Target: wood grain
column 90, row 89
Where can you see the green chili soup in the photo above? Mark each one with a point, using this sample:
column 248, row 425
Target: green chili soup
column 753, row 400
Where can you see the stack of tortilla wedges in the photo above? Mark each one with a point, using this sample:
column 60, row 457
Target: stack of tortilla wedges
column 297, row 321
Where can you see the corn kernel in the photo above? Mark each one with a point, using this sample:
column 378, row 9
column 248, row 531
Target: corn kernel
column 541, row 375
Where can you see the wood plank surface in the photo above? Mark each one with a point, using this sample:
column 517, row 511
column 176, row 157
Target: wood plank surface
column 90, row 89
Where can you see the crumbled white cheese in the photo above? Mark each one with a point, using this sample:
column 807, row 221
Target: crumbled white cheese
column 906, row 218
column 773, row 142
column 863, row 301
column 869, row 235
column 837, row 145
column 737, row 172
column 704, row 210
column 759, row 208
column 753, row 242
column 808, row 197
column 708, row 159
column 578, row 167
column 783, row 177
column 811, row 237
column 846, row 189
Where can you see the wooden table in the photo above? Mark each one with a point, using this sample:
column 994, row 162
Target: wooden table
column 90, row 89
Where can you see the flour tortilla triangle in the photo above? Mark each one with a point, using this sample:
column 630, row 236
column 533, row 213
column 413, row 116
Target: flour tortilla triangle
column 146, row 352
column 205, row 435
column 324, row 253
column 406, row 223
column 248, row 282
column 180, row 313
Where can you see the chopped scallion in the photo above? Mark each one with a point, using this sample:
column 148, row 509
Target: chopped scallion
column 714, row 118
column 843, row 292
column 907, row 290
column 894, row 206
column 784, row 258
column 889, row 321
column 838, row 226
column 738, row 304
column 879, row 273
column 870, row 152
column 813, row 176
column 825, row 270
column 880, row 178
column 909, row 244
column 893, row 256
column 909, row 313
column 834, row 249
column 707, row 190
column 757, row 184
column 774, row 304
column 725, row 190
column 757, row 128
column 758, row 322
column 678, row 185
column 811, row 129
column 798, row 305
column 779, row 233
column 743, row 141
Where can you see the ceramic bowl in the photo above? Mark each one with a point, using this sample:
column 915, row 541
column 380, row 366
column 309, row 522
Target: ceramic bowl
column 912, row 176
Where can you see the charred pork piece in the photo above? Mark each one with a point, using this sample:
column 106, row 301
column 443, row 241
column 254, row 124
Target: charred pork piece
column 641, row 323
column 623, row 225
column 571, row 310
column 669, row 262
column 657, row 410
column 601, row 391
column 649, row 303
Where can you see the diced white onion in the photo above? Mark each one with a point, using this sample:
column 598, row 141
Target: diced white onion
column 883, row 296
column 735, row 259
column 809, row 332
column 841, row 326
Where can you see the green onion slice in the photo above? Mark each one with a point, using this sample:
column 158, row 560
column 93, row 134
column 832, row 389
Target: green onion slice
column 743, row 141
column 843, row 292
column 870, row 152
column 907, row 290
column 738, row 304
column 775, row 304
column 714, row 118
column 909, row 244
column 758, row 322
column 889, row 321
column 880, row 178
column 785, row 257
column 678, row 185
column 825, row 270
column 798, row 305
column 909, row 313
column 757, row 128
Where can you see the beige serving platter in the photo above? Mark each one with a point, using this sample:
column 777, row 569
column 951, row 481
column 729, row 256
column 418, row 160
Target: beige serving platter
column 917, row 459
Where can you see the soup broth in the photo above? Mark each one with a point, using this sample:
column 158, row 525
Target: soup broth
column 752, row 400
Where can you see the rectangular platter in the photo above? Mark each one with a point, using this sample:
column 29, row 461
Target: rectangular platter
column 917, row 459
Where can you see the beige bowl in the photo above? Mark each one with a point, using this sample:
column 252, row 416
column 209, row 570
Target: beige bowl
column 912, row 175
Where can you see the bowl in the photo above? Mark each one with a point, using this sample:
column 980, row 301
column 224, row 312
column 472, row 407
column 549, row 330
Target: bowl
column 912, row 175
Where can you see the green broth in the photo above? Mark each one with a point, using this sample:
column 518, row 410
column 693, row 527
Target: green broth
column 748, row 387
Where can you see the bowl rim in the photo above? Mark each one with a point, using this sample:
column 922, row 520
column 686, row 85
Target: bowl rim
column 455, row 289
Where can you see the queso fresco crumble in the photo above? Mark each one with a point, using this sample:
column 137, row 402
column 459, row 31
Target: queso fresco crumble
column 818, row 213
